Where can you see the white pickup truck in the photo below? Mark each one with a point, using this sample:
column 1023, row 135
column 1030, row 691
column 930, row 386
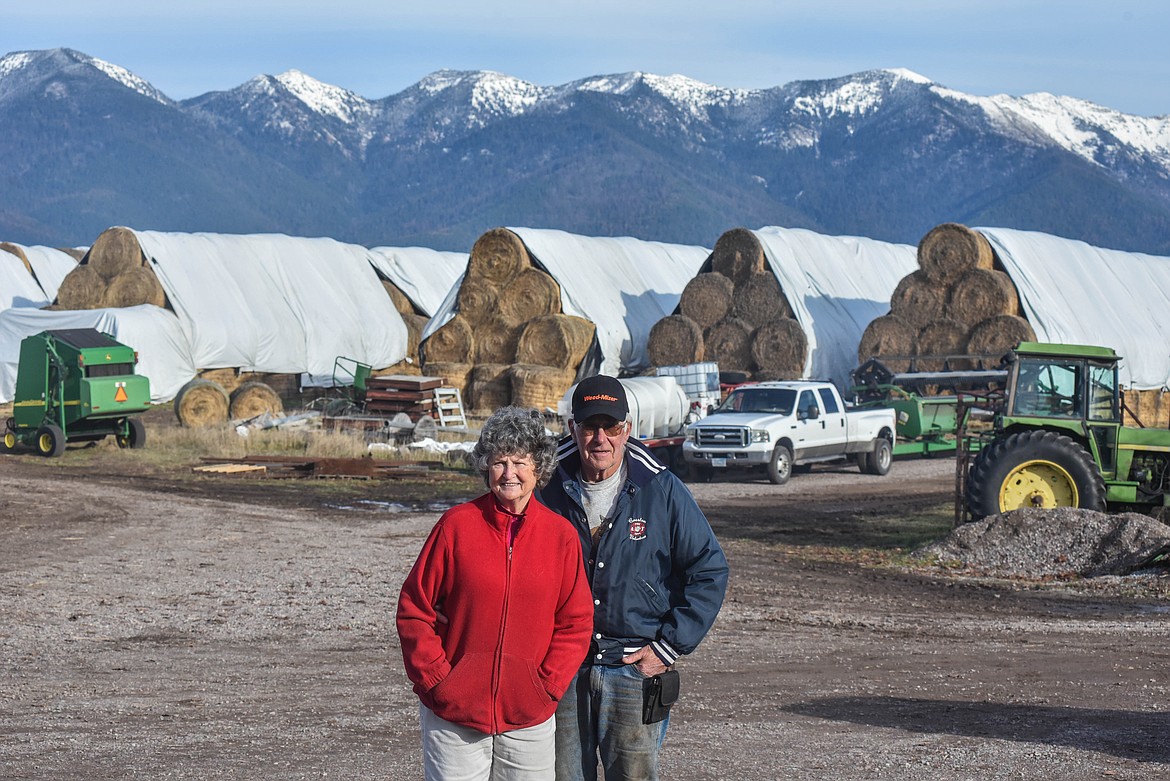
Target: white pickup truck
column 782, row 426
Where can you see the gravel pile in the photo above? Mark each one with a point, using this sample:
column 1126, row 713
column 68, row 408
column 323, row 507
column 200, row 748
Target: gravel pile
column 1062, row 542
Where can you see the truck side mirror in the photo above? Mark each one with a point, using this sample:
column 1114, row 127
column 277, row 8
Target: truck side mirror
column 812, row 413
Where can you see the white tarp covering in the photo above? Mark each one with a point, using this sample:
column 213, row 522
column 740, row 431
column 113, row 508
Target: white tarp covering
column 1075, row 293
column 163, row 353
column 424, row 275
column 624, row 285
column 18, row 288
column 275, row 303
column 836, row 286
column 50, row 266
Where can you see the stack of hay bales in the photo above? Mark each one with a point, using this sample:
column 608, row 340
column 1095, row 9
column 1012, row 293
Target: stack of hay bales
column 415, row 321
column 113, row 273
column 735, row 315
column 509, row 342
column 958, row 302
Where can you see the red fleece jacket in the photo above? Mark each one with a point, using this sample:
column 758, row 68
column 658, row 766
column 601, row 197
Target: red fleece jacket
column 491, row 637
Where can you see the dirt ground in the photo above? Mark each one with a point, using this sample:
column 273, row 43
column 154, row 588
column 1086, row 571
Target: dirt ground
column 218, row 628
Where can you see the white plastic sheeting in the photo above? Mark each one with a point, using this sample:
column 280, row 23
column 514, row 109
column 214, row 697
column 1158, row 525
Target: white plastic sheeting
column 50, row 266
column 658, row 406
column 18, row 288
column 624, row 285
column 836, row 286
column 163, row 353
column 424, row 275
column 276, row 303
column 1075, row 293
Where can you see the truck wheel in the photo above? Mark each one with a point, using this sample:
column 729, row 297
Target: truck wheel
column 780, row 467
column 1033, row 469
column 880, row 458
column 863, row 463
column 136, row 436
column 50, row 440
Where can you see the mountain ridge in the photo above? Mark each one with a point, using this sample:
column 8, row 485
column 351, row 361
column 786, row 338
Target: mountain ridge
column 884, row 153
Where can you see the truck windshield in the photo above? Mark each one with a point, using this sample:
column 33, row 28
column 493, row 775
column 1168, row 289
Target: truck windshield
column 775, row 400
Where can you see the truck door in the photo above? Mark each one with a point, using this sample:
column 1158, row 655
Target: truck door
column 813, row 436
column 833, row 420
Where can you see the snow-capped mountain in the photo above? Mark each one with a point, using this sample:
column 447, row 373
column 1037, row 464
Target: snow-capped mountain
column 884, row 153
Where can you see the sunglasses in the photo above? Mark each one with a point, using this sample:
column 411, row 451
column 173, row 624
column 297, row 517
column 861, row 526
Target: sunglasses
column 591, row 429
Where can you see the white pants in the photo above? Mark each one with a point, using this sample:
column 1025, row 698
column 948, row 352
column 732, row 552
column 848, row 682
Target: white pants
column 452, row 752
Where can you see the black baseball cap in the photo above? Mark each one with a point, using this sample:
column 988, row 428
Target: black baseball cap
column 600, row 395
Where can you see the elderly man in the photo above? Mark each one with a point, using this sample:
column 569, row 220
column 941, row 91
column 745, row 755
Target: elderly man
column 658, row 577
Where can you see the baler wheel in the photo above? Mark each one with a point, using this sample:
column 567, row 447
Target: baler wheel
column 50, row 440
column 136, row 436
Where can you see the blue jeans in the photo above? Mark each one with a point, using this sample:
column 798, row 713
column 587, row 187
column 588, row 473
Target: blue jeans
column 600, row 716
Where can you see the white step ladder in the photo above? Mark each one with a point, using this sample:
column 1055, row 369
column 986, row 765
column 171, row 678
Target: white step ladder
column 449, row 407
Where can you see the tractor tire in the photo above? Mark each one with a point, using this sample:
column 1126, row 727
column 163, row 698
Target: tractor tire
column 780, row 466
column 136, row 436
column 50, row 440
column 8, row 444
column 880, row 458
column 1033, row 469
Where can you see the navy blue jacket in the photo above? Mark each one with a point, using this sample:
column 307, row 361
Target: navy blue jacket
column 658, row 574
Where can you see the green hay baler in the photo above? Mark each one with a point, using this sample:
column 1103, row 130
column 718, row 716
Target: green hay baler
column 76, row 385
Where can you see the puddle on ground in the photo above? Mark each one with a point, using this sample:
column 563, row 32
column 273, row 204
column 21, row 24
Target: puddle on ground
column 372, row 506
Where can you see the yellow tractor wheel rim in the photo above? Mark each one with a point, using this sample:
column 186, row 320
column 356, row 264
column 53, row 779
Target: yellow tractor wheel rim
column 45, row 443
column 1038, row 484
column 9, row 440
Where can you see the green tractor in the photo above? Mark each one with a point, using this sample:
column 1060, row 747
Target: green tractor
column 76, row 385
column 1057, row 439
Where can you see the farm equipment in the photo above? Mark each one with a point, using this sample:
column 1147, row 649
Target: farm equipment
column 391, row 404
column 925, row 402
column 76, row 385
column 1058, row 441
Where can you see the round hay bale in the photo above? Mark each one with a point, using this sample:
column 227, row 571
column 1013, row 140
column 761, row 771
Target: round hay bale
column 114, row 252
column 229, row 379
column 454, row 374
column 405, row 366
column 729, row 342
column 780, row 347
column 497, row 256
column 401, row 302
column 252, row 399
column 76, row 253
column 82, row 288
column 201, row 403
column 939, row 339
column 133, row 287
column 555, row 340
column 918, row 299
column 496, row 341
column 476, row 299
column 706, row 299
column 890, row 338
column 737, row 255
column 452, row 342
column 16, row 250
column 529, row 294
column 760, row 300
column 982, row 293
column 540, row 387
column 490, row 387
column 675, row 340
column 414, row 328
column 996, row 335
column 949, row 250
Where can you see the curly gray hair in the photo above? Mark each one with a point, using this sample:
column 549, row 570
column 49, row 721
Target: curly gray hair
column 516, row 431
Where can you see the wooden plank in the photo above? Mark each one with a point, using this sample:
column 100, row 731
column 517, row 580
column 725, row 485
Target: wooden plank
column 230, row 469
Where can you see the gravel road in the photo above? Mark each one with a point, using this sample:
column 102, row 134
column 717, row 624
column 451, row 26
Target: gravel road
column 153, row 632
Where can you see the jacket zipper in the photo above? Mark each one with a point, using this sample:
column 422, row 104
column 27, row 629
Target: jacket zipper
column 499, row 660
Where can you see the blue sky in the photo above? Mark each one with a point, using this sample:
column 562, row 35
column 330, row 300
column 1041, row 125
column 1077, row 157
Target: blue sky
column 1112, row 53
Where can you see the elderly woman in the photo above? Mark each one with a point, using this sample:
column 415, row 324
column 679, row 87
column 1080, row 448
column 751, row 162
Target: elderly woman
column 495, row 616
